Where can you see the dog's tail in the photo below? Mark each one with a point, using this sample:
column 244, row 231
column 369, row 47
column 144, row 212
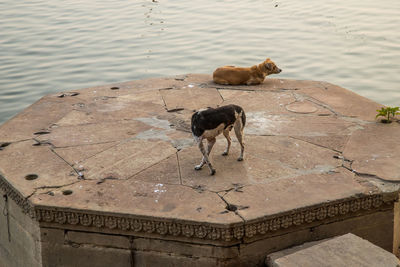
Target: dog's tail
column 243, row 118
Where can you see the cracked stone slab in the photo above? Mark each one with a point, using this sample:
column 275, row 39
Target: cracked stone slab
column 123, row 197
column 375, row 151
column 191, row 97
column 334, row 142
column 130, row 88
column 86, row 134
column 343, row 101
column 250, row 101
column 110, row 109
column 126, row 159
column 27, row 167
column 267, row 158
column 230, row 172
column 37, row 117
column 165, row 171
column 74, row 155
column 294, row 193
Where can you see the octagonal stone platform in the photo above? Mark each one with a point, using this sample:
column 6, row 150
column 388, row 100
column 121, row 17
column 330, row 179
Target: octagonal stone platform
column 105, row 175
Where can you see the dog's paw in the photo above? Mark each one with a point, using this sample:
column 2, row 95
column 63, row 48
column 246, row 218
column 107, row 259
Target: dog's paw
column 197, row 167
column 212, row 172
column 240, row 159
column 225, row 153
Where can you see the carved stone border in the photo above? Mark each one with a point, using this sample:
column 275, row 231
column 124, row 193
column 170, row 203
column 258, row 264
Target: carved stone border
column 22, row 202
column 203, row 231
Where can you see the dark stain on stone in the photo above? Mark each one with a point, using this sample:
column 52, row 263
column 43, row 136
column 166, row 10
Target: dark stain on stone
column 67, row 192
column 106, row 178
column 175, row 109
column 41, row 132
column 3, row 145
column 114, row 88
column 68, row 94
column 31, row 177
column 199, row 188
column 231, row 207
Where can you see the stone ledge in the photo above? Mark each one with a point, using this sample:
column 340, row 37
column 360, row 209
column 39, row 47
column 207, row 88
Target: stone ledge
column 346, row 250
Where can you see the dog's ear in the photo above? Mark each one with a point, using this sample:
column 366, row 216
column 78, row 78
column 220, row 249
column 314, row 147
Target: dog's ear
column 269, row 66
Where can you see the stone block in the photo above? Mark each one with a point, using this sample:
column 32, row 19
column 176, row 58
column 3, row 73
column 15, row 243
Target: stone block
column 19, row 239
column 84, row 256
column 376, row 228
column 185, row 249
column 147, row 258
column 52, row 236
column 346, row 250
column 109, row 241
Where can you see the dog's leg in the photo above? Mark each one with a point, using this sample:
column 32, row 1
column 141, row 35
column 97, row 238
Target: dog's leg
column 239, row 135
column 228, row 139
column 205, row 153
column 201, row 147
column 210, row 144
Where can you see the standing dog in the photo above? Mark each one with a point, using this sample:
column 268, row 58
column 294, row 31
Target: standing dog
column 236, row 75
column 209, row 123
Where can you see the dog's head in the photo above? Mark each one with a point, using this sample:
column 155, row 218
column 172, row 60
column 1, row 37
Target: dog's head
column 196, row 124
column 270, row 67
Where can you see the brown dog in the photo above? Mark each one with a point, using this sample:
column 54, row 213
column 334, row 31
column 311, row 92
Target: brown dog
column 236, row 75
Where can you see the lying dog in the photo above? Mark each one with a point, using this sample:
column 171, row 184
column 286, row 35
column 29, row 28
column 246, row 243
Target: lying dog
column 255, row 75
column 209, row 123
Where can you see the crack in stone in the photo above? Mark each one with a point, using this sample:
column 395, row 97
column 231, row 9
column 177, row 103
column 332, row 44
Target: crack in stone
column 323, row 105
column 223, row 100
column 36, row 189
column 139, row 172
column 179, row 168
column 100, row 143
column 309, row 142
column 233, row 208
column 79, row 173
column 42, row 142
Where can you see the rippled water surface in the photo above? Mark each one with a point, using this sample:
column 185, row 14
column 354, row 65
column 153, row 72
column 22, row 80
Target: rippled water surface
column 52, row 46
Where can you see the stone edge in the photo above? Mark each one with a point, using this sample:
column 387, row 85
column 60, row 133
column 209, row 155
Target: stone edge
column 164, row 228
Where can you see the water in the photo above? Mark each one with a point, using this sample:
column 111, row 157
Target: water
column 52, row 46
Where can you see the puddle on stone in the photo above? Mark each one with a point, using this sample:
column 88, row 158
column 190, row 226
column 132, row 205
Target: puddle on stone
column 261, row 123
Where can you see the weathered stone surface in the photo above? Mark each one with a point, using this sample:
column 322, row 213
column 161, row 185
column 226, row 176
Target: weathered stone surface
column 295, row 193
column 74, row 155
column 374, row 151
column 142, row 199
column 268, row 158
column 191, row 98
column 37, row 118
column 343, row 101
column 262, row 123
column 119, row 160
column 126, row 159
column 96, row 133
column 346, row 250
column 28, row 167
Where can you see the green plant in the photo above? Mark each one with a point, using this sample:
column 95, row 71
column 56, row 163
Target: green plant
column 387, row 112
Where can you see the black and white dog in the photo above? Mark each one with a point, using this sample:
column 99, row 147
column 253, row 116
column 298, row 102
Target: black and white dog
column 209, row 123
